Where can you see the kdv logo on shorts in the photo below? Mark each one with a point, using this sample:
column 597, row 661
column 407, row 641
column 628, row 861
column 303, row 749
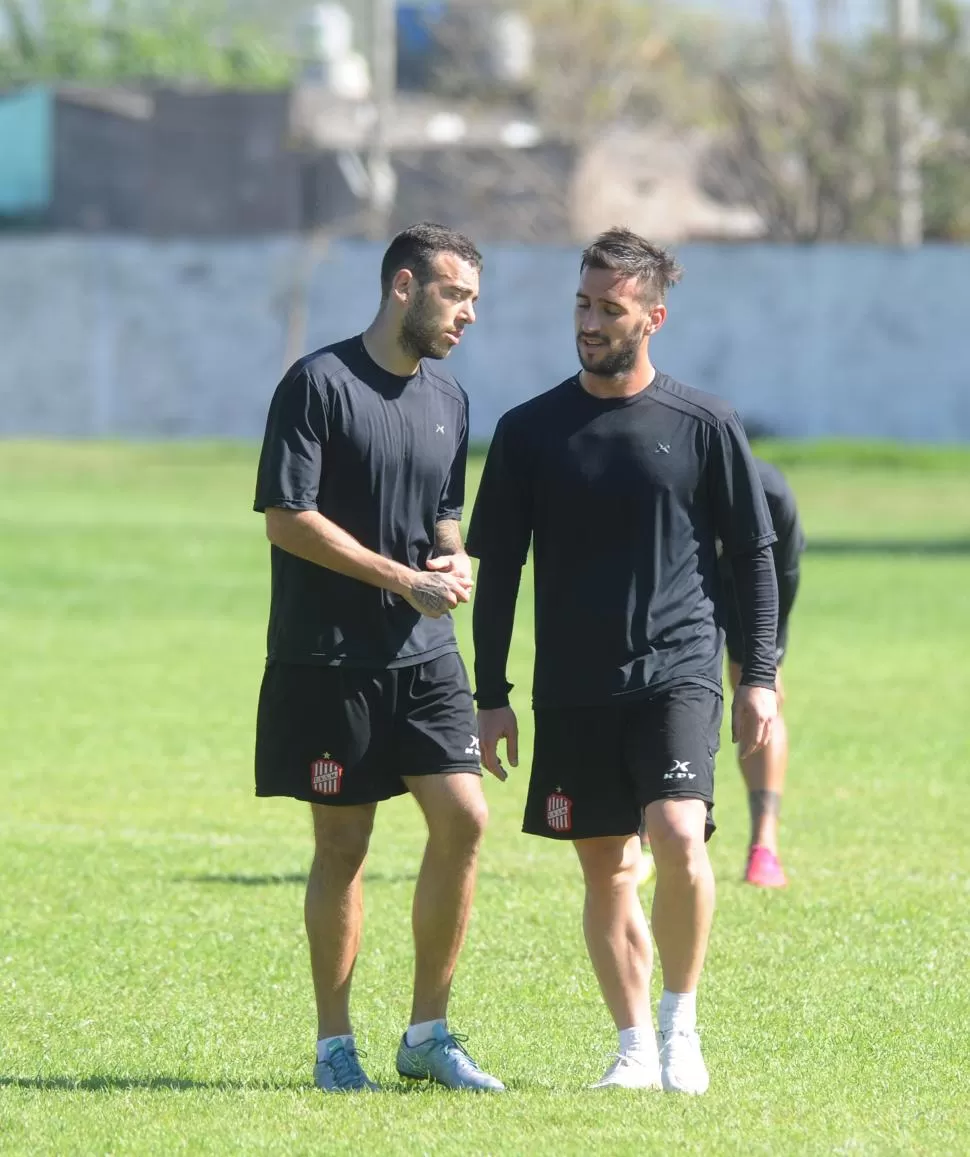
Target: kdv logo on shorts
column 680, row 770
column 326, row 775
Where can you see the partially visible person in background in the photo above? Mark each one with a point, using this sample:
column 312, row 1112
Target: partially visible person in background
column 764, row 770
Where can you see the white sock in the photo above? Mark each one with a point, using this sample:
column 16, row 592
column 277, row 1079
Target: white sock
column 677, row 1011
column 636, row 1041
column 323, row 1045
column 417, row 1034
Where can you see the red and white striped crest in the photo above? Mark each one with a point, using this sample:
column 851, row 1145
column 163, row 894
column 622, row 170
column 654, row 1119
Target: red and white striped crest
column 326, row 776
column 559, row 812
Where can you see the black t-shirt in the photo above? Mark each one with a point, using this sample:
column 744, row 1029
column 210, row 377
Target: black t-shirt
column 787, row 549
column 384, row 458
column 623, row 501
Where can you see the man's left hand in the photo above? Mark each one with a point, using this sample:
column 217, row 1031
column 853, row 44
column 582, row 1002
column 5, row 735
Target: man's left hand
column 752, row 716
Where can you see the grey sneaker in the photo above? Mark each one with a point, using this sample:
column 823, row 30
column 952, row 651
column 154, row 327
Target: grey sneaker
column 443, row 1060
column 340, row 1071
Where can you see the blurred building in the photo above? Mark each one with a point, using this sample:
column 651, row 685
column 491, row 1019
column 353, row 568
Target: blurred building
column 181, row 162
column 155, row 162
column 178, row 162
column 459, row 145
column 657, row 182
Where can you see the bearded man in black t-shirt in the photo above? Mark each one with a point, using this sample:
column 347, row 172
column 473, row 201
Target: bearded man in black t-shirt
column 624, row 482
column 361, row 480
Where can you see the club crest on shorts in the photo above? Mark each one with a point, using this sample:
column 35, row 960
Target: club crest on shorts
column 559, row 812
column 326, row 775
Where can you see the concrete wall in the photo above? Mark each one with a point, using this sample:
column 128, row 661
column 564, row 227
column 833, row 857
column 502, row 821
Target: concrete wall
column 101, row 336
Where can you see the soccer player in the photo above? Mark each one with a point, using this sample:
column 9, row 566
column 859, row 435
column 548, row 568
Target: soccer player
column 364, row 696
column 623, row 481
column 764, row 770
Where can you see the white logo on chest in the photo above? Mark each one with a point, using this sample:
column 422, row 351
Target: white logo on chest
column 439, row 429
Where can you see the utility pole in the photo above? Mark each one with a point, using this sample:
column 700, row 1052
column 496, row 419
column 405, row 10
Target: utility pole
column 908, row 176
column 825, row 14
column 384, row 73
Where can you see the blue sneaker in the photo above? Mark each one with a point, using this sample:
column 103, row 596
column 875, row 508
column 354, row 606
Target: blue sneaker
column 444, row 1061
column 340, row 1071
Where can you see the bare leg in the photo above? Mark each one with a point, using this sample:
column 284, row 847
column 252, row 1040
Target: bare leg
column 334, row 909
column 683, row 900
column 764, row 775
column 617, row 936
column 456, row 813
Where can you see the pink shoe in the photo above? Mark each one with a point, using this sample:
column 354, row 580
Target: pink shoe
column 764, row 869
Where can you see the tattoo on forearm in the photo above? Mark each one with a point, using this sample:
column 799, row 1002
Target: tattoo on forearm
column 447, row 537
column 763, row 804
column 429, row 594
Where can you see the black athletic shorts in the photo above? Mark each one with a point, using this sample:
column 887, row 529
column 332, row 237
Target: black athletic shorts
column 595, row 769
column 342, row 735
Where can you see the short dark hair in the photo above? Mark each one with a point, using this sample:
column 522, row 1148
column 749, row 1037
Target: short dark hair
column 624, row 251
column 416, row 247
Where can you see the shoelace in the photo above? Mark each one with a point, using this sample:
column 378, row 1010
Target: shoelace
column 346, row 1068
column 621, row 1060
column 678, row 1045
column 453, row 1043
column 628, row 1059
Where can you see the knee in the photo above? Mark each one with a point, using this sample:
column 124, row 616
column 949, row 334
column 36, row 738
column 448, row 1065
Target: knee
column 678, row 847
column 609, row 864
column 341, row 848
column 463, row 827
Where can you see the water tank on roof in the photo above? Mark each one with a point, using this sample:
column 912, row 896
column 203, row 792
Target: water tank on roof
column 328, row 32
column 326, row 39
column 417, row 46
column 511, row 48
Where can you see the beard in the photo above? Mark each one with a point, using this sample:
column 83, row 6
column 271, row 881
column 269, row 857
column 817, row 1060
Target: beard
column 421, row 333
column 617, row 359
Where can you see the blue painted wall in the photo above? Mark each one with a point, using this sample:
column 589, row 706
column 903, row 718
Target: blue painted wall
column 26, row 151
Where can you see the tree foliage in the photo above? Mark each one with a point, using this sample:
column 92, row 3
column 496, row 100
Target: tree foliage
column 811, row 141
column 134, row 43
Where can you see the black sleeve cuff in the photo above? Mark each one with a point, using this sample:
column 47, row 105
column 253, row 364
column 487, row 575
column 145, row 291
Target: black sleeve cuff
column 491, row 699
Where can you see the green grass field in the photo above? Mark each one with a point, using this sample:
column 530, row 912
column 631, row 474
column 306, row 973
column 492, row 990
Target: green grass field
column 154, row 988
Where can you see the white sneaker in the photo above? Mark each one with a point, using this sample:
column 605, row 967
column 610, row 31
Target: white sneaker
column 682, row 1067
column 633, row 1071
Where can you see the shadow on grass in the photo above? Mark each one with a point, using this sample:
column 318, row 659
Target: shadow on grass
column 890, row 546
column 267, row 881
column 109, row 1084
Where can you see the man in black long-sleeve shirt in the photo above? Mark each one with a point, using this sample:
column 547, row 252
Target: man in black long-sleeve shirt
column 764, row 770
column 623, row 481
